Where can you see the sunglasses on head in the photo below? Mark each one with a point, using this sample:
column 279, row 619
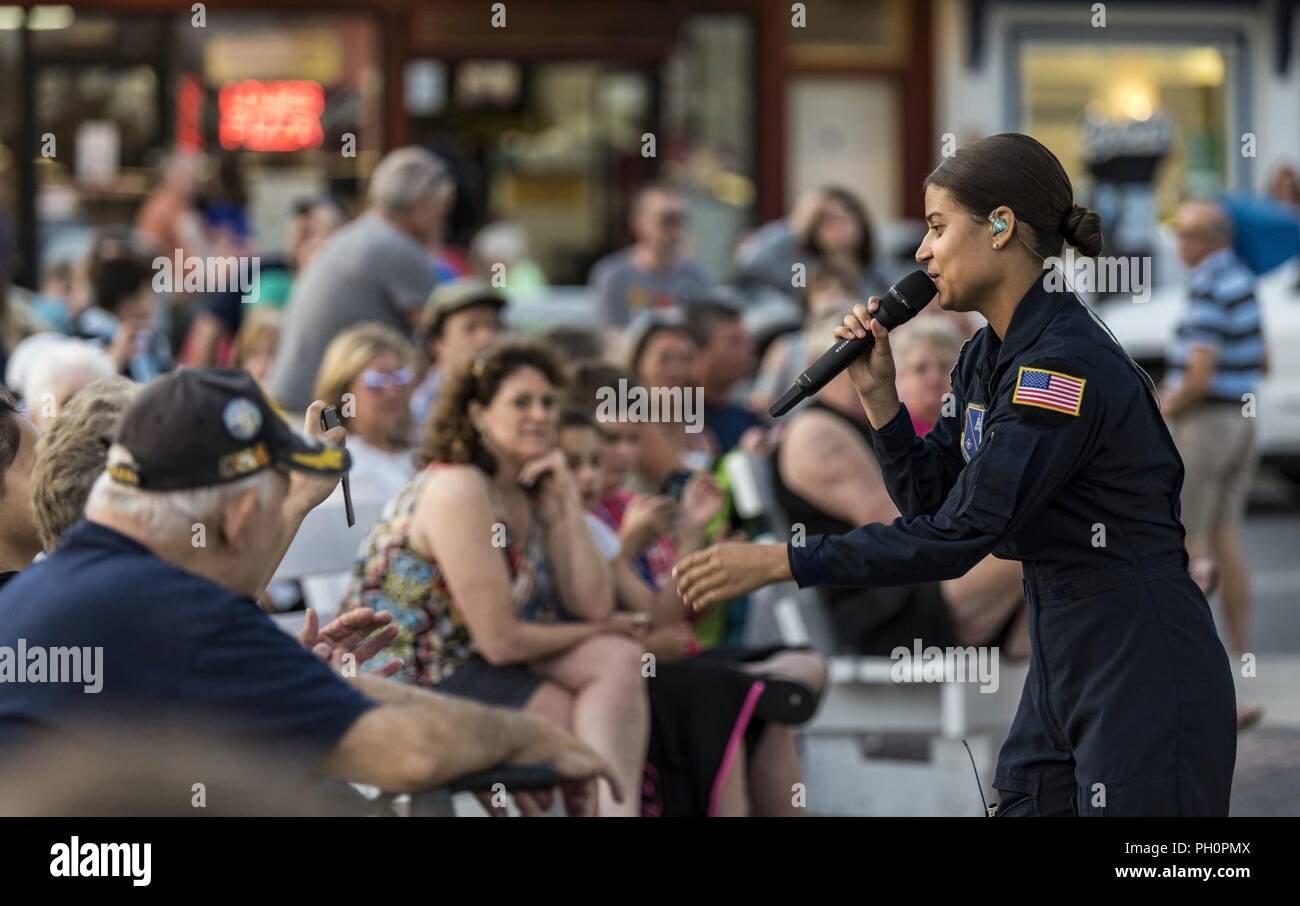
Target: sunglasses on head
column 372, row 379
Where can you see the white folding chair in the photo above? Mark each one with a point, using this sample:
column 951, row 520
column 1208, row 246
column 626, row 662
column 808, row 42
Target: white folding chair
column 321, row 558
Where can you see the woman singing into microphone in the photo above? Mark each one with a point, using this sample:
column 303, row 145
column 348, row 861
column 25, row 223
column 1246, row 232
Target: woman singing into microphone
column 1055, row 455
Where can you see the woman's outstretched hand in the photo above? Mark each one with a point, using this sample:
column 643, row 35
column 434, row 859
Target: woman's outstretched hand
column 725, row 571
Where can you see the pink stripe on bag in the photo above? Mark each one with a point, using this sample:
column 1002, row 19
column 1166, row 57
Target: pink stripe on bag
column 737, row 737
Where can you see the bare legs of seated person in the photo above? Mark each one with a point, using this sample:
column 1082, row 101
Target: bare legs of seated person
column 596, row 690
column 774, row 767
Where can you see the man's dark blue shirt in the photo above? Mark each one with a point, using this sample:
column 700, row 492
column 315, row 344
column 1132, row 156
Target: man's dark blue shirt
column 177, row 649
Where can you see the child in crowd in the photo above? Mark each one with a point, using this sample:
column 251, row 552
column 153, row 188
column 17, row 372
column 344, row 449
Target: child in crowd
column 646, row 521
column 698, row 704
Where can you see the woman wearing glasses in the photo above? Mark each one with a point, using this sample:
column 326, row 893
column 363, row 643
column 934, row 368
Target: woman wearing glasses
column 367, row 373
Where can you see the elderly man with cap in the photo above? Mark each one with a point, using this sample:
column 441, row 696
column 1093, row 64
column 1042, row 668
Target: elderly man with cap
column 461, row 319
column 145, row 616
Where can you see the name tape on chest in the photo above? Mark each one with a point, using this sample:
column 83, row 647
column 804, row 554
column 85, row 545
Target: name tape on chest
column 1048, row 390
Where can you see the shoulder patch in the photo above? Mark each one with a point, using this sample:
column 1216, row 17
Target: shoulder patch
column 972, row 431
column 1047, row 389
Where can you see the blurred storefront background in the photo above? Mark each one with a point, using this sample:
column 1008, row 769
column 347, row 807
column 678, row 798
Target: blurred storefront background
column 545, row 106
column 266, row 98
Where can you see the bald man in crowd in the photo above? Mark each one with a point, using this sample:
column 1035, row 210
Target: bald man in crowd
column 1216, row 362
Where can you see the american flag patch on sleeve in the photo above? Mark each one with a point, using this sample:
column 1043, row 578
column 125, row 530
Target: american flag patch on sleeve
column 1048, row 390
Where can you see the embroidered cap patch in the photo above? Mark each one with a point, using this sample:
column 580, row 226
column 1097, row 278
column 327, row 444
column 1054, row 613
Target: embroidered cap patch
column 1049, row 390
column 972, row 430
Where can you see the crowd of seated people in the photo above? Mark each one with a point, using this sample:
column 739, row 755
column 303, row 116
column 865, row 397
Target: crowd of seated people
column 515, row 601
column 203, row 490
column 642, row 536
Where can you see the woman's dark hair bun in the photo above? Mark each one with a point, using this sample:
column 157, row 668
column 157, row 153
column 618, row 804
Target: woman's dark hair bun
column 1082, row 229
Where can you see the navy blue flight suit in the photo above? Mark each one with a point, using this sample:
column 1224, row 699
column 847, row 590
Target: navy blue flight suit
column 1129, row 686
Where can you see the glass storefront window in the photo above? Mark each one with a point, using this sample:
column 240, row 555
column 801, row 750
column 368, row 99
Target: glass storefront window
column 709, row 115
column 546, row 145
column 557, row 146
column 118, row 91
column 1084, row 99
column 295, row 98
column 63, row 32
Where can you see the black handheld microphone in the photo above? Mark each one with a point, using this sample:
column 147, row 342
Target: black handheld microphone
column 898, row 305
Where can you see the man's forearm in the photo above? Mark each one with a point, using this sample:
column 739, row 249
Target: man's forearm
column 391, row 692
column 1181, row 399
column 1194, row 384
column 461, row 735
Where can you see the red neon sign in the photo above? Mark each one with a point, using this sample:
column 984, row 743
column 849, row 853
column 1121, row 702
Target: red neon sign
column 189, row 114
column 271, row 116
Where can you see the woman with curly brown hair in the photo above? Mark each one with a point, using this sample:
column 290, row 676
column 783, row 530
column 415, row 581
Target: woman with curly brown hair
column 488, row 566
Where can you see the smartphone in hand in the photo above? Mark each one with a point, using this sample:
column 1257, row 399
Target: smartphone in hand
column 675, row 483
column 330, row 418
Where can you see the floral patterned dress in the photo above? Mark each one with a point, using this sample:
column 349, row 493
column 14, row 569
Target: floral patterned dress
column 433, row 639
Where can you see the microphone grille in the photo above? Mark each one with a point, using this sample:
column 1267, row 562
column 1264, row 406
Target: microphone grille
column 905, row 299
column 916, row 290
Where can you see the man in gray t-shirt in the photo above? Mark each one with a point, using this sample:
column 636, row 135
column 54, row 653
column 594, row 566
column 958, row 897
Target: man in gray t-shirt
column 377, row 268
column 652, row 273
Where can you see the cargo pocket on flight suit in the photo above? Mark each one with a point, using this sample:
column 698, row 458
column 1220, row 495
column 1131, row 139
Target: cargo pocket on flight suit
column 991, row 497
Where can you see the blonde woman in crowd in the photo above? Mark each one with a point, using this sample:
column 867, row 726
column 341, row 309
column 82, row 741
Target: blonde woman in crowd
column 368, row 373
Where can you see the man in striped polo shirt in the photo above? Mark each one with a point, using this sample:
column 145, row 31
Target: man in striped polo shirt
column 1216, row 362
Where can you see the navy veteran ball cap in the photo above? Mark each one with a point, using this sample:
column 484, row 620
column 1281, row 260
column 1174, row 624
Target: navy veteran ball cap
column 198, row 427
